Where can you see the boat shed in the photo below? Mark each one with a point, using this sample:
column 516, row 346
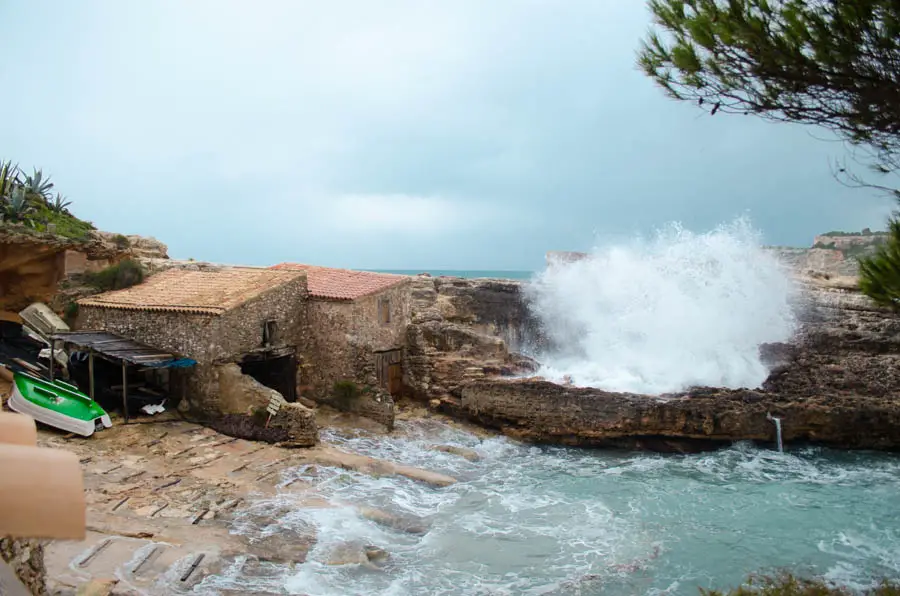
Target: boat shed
column 245, row 327
column 119, row 350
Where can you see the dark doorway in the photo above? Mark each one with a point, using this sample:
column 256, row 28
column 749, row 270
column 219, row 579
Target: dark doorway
column 275, row 372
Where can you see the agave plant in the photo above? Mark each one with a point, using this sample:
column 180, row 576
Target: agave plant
column 59, row 204
column 9, row 178
column 37, row 185
column 17, row 207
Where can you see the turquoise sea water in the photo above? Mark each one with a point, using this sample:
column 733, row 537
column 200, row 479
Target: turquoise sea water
column 527, row 520
column 467, row 273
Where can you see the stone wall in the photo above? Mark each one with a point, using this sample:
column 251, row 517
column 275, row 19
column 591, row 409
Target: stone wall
column 192, row 335
column 26, row 558
column 209, row 338
column 242, row 403
column 241, row 329
column 343, row 336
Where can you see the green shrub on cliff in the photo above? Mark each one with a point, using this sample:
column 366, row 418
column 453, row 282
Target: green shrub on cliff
column 788, row 585
column 879, row 274
column 344, row 393
column 117, row 277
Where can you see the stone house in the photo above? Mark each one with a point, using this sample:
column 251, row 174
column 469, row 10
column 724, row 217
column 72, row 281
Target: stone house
column 245, row 327
column 357, row 328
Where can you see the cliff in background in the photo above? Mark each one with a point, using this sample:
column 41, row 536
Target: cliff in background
column 832, row 254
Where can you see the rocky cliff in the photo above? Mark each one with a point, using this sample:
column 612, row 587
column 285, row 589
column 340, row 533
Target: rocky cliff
column 832, row 254
column 463, row 330
column 32, row 264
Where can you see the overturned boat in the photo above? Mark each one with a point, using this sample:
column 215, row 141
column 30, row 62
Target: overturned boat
column 57, row 404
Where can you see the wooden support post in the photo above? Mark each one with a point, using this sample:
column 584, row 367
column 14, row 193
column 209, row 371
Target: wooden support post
column 125, row 390
column 91, row 372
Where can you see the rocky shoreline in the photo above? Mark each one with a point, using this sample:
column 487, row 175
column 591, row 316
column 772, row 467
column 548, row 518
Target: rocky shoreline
column 836, row 385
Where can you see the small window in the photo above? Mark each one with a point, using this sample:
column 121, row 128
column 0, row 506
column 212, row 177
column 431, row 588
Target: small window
column 384, row 311
column 270, row 329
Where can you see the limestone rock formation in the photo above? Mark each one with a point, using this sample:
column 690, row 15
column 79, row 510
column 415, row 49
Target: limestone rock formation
column 463, row 330
column 377, row 405
column 33, row 264
column 241, row 412
column 832, row 254
column 837, row 384
column 140, row 247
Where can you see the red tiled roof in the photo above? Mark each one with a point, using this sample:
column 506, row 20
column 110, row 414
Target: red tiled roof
column 343, row 284
column 202, row 292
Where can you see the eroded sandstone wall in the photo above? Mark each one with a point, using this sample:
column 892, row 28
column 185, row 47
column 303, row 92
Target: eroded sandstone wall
column 29, row 272
column 463, row 330
column 242, row 403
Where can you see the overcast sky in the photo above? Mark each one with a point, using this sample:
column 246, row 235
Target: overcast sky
column 456, row 134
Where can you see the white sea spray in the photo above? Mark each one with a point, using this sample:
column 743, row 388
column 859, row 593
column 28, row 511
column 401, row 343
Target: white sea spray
column 660, row 315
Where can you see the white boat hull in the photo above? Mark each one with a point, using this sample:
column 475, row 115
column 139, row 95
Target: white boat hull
column 85, row 428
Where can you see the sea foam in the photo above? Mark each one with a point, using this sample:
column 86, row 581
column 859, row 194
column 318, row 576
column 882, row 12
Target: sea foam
column 659, row 315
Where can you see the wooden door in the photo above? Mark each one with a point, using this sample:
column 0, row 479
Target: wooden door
column 395, row 378
column 389, row 369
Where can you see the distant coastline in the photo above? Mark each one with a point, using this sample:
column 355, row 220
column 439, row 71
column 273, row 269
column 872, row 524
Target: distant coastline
column 466, row 273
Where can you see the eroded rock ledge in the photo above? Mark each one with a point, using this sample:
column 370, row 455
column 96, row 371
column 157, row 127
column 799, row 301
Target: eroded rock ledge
column 836, row 384
column 545, row 412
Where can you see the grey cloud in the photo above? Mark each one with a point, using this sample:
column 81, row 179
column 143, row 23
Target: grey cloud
column 231, row 130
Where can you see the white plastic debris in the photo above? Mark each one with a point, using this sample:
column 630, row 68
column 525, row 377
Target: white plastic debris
column 151, row 409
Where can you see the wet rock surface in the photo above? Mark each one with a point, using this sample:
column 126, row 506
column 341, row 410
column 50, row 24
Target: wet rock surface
column 837, row 384
column 172, row 503
column 463, row 330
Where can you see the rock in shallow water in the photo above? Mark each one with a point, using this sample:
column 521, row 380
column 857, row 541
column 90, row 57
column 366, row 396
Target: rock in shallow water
column 403, row 523
column 468, row 454
column 357, row 553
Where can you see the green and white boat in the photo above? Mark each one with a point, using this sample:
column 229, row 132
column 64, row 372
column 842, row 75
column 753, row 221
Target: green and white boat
column 57, row 404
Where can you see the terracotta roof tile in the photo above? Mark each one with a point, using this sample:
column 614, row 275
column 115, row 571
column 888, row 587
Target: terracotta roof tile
column 343, row 284
column 204, row 292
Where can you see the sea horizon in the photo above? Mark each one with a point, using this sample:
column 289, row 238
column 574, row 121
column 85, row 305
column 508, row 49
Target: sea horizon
column 464, row 273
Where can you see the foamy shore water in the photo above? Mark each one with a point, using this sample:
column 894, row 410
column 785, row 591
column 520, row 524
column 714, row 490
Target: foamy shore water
column 532, row 520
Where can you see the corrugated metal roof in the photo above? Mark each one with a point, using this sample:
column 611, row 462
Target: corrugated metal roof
column 343, row 284
column 199, row 292
column 117, row 347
